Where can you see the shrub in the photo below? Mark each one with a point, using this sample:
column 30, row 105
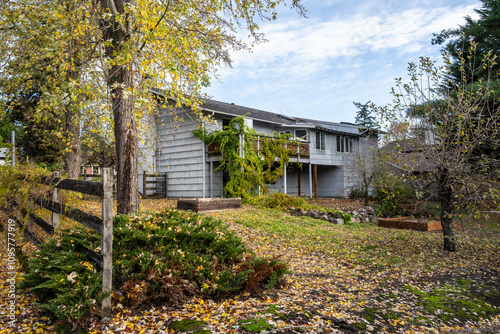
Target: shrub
column 393, row 197
column 157, row 257
column 279, row 201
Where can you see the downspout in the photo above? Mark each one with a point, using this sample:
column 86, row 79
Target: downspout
column 203, row 168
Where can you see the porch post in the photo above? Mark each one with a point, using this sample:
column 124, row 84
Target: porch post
column 211, row 179
column 284, row 179
column 299, row 180
column 310, row 182
column 315, row 181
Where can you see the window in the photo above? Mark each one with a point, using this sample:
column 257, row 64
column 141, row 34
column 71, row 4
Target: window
column 320, row 141
column 95, row 170
column 225, row 122
column 302, row 133
column 344, row 144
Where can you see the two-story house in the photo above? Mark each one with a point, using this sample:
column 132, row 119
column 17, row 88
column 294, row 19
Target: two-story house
column 324, row 151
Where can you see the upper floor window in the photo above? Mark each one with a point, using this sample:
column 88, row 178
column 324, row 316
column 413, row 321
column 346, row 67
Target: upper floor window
column 301, row 133
column 344, row 144
column 225, row 122
column 320, row 141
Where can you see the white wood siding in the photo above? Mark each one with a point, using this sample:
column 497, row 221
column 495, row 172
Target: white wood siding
column 180, row 155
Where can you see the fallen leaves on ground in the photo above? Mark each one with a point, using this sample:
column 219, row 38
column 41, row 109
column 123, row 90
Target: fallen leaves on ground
column 346, row 278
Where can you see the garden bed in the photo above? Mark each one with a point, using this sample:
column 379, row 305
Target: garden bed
column 407, row 223
column 208, row 204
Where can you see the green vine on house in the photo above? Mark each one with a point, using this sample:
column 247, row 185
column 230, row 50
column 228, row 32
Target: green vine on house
column 254, row 166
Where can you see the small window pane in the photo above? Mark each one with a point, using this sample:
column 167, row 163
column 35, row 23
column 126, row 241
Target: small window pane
column 300, row 133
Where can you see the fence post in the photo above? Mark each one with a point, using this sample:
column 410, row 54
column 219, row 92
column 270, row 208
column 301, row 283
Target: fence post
column 144, row 186
column 56, row 198
column 165, row 185
column 107, row 238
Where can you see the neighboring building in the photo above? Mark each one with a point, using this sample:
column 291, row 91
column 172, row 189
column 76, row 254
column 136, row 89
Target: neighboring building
column 324, row 152
column 90, row 170
column 3, row 155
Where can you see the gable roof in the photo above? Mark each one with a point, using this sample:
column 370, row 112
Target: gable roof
column 235, row 110
column 284, row 120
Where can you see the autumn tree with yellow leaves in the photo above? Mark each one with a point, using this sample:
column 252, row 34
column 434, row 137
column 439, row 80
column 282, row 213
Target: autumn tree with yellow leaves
column 103, row 57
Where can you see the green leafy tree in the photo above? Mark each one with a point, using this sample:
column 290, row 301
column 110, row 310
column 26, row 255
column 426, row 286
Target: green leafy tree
column 116, row 51
column 446, row 134
column 173, row 45
column 364, row 116
column 484, row 32
column 45, row 47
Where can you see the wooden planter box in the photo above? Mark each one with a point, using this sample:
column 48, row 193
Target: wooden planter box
column 407, row 223
column 208, row 204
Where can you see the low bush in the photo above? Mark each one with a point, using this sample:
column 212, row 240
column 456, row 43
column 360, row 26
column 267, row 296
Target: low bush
column 157, row 257
column 285, row 202
column 279, row 201
column 395, row 198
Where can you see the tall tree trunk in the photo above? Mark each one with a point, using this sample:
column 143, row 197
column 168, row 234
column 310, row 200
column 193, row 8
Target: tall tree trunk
column 120, row 82
column 74, row 155
column 126, row 140
column 445, row 192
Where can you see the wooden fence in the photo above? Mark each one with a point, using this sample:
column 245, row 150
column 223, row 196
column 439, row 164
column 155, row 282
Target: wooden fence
column 104, row 225
column 159, row 182
column 152, row 184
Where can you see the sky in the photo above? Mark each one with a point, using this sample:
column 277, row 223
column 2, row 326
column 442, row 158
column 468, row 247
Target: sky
column 343, row 52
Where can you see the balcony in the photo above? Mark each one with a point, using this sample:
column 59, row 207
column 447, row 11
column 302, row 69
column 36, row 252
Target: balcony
column 300, row 149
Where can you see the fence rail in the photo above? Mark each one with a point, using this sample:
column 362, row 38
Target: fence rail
column 103, row 226
column 159, row 183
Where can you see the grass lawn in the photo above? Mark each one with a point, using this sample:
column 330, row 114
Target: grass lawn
column 346, row 278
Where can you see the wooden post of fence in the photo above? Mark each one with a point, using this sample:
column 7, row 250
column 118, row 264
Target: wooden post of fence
column 56, row 198
column 144, row 186
column 165, row 185
column 107, row 238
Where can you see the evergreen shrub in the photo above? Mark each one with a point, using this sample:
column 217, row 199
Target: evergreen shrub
column 157, row 257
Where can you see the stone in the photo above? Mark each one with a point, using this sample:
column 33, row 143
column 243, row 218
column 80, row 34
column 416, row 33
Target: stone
column 339, row 221
column 324, row 217
column 303, row 213
column 313, row 214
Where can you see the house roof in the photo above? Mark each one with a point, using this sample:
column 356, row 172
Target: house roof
column 284, row 120
column 232, row 109
column 236, row 110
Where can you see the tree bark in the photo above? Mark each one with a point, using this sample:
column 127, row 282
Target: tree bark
column 126, row 140
column 446, row 199
column 120, row 81
column 73, row 159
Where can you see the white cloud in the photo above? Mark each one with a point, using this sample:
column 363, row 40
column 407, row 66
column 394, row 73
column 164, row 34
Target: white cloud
column 306, row 46
column 317, row 67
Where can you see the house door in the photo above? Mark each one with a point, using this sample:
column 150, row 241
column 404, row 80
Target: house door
column 225, row 180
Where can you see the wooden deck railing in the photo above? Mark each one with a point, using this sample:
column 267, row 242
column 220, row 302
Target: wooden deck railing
column 297, row 149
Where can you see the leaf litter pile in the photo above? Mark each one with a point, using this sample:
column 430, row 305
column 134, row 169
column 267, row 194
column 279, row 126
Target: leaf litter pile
column 352, row 278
